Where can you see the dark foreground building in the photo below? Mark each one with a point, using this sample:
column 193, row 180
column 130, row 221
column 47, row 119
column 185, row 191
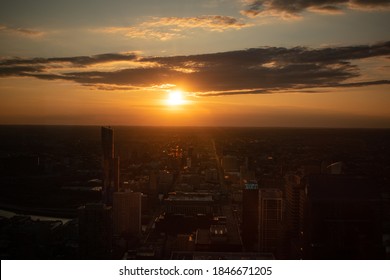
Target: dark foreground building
column 250, row 218
column 341, row 219
column 95, row 234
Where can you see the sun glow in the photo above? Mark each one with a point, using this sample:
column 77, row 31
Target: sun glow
column 175, row 98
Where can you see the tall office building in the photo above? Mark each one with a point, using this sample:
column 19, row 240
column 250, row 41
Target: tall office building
column 342, row 218
column 110, row 165
column 127, row 213
column 294, row 197
column 250, row 216
column 95, row 233
column 270, row 216
column 292, row 224
column 116, row 173
column 107, row 142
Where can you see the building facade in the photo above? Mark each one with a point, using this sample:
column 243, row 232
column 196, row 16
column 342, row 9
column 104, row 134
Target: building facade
column 270, row 216
column 110, row 165
column 95, row 234
column 127, row 213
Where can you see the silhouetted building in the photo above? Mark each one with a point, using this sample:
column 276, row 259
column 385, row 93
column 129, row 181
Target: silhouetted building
column 217, row 238
column 95, row 234
column 127, row 213
column 173, row 224
column 250, row 216
column 214, row 239
column 270, row 216
column 342, row 218
column 110, row 165
column 292, row 223
column 165, row 181
column 116, row 173
column 107, row 142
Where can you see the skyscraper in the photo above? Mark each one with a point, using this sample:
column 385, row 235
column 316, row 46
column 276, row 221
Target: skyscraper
column 108, row 142
column 110, row 165
column 127, row 213
column 342, row 218
column 95, row 225
column 250, row 216
column 270, row 215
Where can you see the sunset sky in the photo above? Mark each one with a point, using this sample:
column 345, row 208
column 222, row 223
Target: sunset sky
column 307, row 63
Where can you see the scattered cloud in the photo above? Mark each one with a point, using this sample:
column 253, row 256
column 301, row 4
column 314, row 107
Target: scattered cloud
column 26, row 32
column 210, row 22
column 250, row 71
column 288, row 8
column 166, row 28
column 369, row 4
column 140, row 32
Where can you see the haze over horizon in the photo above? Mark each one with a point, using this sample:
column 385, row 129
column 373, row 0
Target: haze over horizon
column 195, row 63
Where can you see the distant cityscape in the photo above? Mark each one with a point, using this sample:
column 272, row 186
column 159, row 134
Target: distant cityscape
column 89, row 192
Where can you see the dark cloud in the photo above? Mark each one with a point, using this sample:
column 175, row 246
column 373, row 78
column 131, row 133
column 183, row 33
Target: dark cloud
column 76, row 60
column 372, row 3
column 363, row 84
column 258, row 7
column 18, row 70
column 251, row 71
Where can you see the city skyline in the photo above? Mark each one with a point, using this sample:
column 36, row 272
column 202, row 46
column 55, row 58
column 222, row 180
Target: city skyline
column 195, row 63
column 194, row 193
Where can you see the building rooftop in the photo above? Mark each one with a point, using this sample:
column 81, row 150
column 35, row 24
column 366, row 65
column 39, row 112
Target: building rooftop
column 190, row 197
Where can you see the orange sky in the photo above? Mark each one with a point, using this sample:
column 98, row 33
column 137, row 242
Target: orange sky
column 50, row 102
column 238, row 63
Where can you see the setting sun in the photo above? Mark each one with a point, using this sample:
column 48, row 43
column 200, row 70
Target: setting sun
column 175, row 98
